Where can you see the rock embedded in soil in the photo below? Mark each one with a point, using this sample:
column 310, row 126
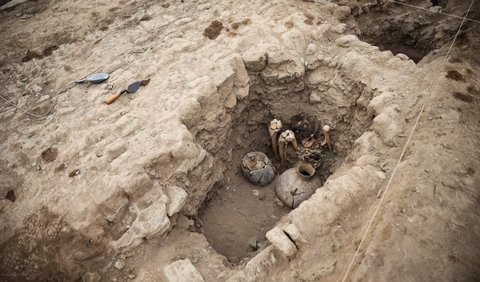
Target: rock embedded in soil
column 91, row 277
column 119, row 264
column 292, row 231
column 255, row 61
column 278, row 202
column 150, row 222
column 204, row 6
column 280, row 240
column 181, row 271
column 178, row 198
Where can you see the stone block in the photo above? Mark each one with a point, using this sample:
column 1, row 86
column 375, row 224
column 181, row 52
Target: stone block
column 280, row 240
column 182, row 271
column 346, row 41
column 255, row 61
column 178, row 197
column 386, row 125
column 150, row 222
column 294, row 233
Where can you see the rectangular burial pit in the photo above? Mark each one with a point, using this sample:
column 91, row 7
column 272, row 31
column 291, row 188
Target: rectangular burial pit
column 236, row 214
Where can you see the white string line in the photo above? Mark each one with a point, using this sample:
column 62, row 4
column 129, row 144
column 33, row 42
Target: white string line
column 435, row 12
column 404, row 148
column 55, row 99
column 69, row 85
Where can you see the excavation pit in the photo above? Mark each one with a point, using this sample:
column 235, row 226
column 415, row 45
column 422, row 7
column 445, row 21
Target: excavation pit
column 236, row 214
column 406, row 30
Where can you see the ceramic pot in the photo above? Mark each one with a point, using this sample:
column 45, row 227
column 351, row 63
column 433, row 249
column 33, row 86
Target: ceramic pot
column 257, row 168
column 296, row 185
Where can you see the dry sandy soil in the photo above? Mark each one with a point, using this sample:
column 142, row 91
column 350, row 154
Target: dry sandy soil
column 129, row 191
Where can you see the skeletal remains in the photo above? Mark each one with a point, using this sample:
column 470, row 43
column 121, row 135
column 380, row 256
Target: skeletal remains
column 286, row 137
column 273, row 129
column 326, row 141
column 280, row 147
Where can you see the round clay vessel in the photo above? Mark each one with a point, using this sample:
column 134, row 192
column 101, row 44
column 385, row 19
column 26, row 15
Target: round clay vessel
column 296, row 185
column 257, row 168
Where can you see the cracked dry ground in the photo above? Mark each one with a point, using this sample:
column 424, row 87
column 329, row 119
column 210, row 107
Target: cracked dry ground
column 132, row 190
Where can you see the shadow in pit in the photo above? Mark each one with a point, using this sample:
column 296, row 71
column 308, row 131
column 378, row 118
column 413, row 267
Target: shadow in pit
column 47, row 249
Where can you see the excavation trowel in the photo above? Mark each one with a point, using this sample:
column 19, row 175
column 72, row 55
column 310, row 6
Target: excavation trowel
column 95, row 78
column 132, row 88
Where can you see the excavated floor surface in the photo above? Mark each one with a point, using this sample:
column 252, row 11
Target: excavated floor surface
column 96, row 192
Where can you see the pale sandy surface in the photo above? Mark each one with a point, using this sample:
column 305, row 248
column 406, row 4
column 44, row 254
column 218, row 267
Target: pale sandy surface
column 177, row 131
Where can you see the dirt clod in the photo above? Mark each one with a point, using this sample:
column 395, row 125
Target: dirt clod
column 308, row 18
column 289, row 24
column 213, row 30
column 74, row 172
column 455, row 75
column 49, row 155
column 11, row 196
column 34, row 54
column 31, row 54
column 60, row 167
column 471, row 171
column 463, row 97
column 145, row 18
column 472, row 90
column 238, row 24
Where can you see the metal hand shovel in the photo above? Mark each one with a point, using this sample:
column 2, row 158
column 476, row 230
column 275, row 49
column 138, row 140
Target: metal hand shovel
column 95, row 78
column 132, row 88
